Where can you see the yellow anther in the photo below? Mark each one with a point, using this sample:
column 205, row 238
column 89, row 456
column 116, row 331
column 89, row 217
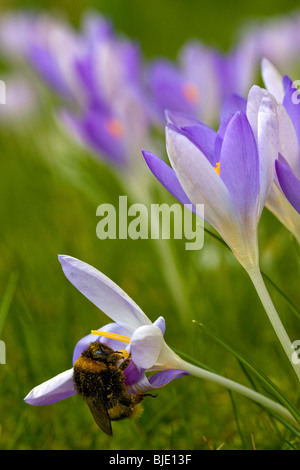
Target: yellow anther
column 217, row 168
column 115, row 336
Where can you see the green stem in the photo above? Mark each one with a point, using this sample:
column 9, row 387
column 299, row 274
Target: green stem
column 241, row 389
column 258, row 282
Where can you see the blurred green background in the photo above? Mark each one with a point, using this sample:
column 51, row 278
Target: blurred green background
column 49, row 193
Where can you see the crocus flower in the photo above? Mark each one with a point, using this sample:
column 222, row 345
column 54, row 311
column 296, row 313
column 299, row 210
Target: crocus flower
column 201, row 79
column 144, row 341
column 231, row 173
column 284, row 189
column 99, row 75
column 228, row 171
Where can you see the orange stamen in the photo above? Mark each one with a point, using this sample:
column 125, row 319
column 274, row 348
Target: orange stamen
column 115, row 128
column 190, row 92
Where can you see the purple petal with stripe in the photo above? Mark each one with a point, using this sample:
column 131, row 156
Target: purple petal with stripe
column 166, row 176
column 289, row 183
column 204, row 138
column 232, row 104
column 166, row 376
column 239, row 165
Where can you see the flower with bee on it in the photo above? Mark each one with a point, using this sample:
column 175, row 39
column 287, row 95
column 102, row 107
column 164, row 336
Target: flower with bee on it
column 111, row 380
column 118, row 393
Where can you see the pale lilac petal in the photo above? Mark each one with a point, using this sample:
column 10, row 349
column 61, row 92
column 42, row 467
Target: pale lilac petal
column 58, row 388
column 145, row 345
column 272, row 80
column 289, row 183
column 255, row 96
column 104, row 293
column 288, row 141
column 160, row 322
column 199, row 180
column 268, row 145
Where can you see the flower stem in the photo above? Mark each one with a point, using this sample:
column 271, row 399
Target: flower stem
column 241, row 389
column 258, row 282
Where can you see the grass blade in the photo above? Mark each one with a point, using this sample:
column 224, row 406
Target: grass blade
column 264, row 380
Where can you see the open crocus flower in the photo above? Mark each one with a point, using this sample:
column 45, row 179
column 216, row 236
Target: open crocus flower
column 231, row 173
column 143, row 339
column 288, row 111
column 201, row 79
column 228, row 171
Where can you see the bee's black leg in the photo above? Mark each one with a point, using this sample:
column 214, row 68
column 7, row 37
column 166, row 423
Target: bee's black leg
column 125, row 363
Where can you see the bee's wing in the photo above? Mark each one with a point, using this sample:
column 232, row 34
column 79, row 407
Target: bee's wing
column 100, row 415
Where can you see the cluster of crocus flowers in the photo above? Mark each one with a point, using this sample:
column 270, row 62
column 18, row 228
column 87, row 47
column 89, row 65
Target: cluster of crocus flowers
column 142, row 339
column 97, row 75
column 231, row 172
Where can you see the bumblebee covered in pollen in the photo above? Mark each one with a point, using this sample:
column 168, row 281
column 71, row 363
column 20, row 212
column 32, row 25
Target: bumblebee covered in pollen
column 99, row 379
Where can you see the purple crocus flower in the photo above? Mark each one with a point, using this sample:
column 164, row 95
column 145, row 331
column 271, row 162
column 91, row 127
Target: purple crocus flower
column 228, row 171
column 231, row 173
column 99, row 75
column 201, row 80
column 282, row 199
column 143, row 339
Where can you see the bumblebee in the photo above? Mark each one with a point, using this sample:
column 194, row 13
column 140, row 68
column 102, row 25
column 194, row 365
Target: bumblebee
column 99, row 379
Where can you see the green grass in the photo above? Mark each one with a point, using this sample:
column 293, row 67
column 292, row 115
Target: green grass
column 49, row 191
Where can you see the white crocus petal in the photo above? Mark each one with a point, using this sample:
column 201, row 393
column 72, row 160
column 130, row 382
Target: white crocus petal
column 104, row 293
column 254, row 100
column 284, row 211
column 288, row 141
column 267, row 143
column 145, row 345
column 272, row 80
column 59, row 387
